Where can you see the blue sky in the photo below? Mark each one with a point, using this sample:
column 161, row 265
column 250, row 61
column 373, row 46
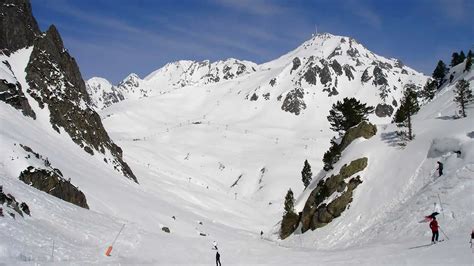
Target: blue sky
column 112, row 38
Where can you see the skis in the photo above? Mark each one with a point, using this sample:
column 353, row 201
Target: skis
column 427, row 245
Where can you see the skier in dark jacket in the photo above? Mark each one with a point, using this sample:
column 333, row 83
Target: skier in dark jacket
column 434, row 229
column 440, row 168
column 218, row 259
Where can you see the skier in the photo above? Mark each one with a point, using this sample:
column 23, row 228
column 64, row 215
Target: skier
column 215, row 245
column 261, row 234
column 218, row 259
column 440, row 168
column 1, row 212
column 434, row 229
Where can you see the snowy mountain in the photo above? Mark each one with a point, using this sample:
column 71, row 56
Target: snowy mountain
column 215, row 162
column 326, row 66
column 171, row 76
column 40, row 79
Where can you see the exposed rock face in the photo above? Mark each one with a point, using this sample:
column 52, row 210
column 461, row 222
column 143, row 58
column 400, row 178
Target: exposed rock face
column 54, row 184
column 289, row 223
column 336, row 67
column 296, row 64
column 54, row 80
column 363, row 129
column 379, row 77
column 294, row 102
column 11, row 93
column 317, row 214
column 384, row 110
column 311, row 74
column 18, row 28
column 348, row 72
column 12, row 204
column 325, row 75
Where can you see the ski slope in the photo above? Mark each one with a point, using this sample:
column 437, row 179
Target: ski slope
column 188, row 148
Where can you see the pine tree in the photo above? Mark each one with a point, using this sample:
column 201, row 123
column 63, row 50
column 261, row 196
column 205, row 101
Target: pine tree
column 347, row 114
column 429, row 90
column 408, row 108
column 332, row 155
column 462, row 57
column 289, row 202
column 463, row 95
column 306, row 174
column 454, row 59
column 440, row 71
column 468, row 61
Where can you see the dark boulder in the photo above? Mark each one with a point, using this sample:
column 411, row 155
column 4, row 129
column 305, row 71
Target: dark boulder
column 53, row 184
column 165, row 229
column 24, row 207
column 384, row 110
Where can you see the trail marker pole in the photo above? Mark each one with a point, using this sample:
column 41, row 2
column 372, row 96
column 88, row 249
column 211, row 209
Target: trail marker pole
column 52, row 252
column 109, row 249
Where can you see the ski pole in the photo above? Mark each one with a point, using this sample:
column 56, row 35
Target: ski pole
column 443, row 233
column 441, row 205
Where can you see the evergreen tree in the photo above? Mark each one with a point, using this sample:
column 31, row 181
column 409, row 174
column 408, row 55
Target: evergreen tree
column 408, row 108
column 429, row 90
column 306, row 174
column 454, row 59
column 332, row 155
column 289, row 202
column 440, row 71
column 468, row 61
column 462, row 57
column 463, row 95
column 347, row 114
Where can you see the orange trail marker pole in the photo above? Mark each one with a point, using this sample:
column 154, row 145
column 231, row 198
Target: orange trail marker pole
column 109, row 249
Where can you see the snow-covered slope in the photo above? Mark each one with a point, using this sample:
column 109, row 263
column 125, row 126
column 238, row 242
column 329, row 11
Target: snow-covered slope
column 215, row 159
column 187, row 162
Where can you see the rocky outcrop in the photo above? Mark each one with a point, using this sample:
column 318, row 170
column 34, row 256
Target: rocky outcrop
column 296, row 64
column 18, row 28
column 12, row 205
column 294, row 102
column 318, row 210
column 11, row 92
column 363, row 129
column 384, row 110
column 379, row 77
column 289, row 223
column 54, row 79
column 53, row 183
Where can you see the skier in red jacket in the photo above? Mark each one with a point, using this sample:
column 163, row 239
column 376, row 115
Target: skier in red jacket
column 434, row 229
